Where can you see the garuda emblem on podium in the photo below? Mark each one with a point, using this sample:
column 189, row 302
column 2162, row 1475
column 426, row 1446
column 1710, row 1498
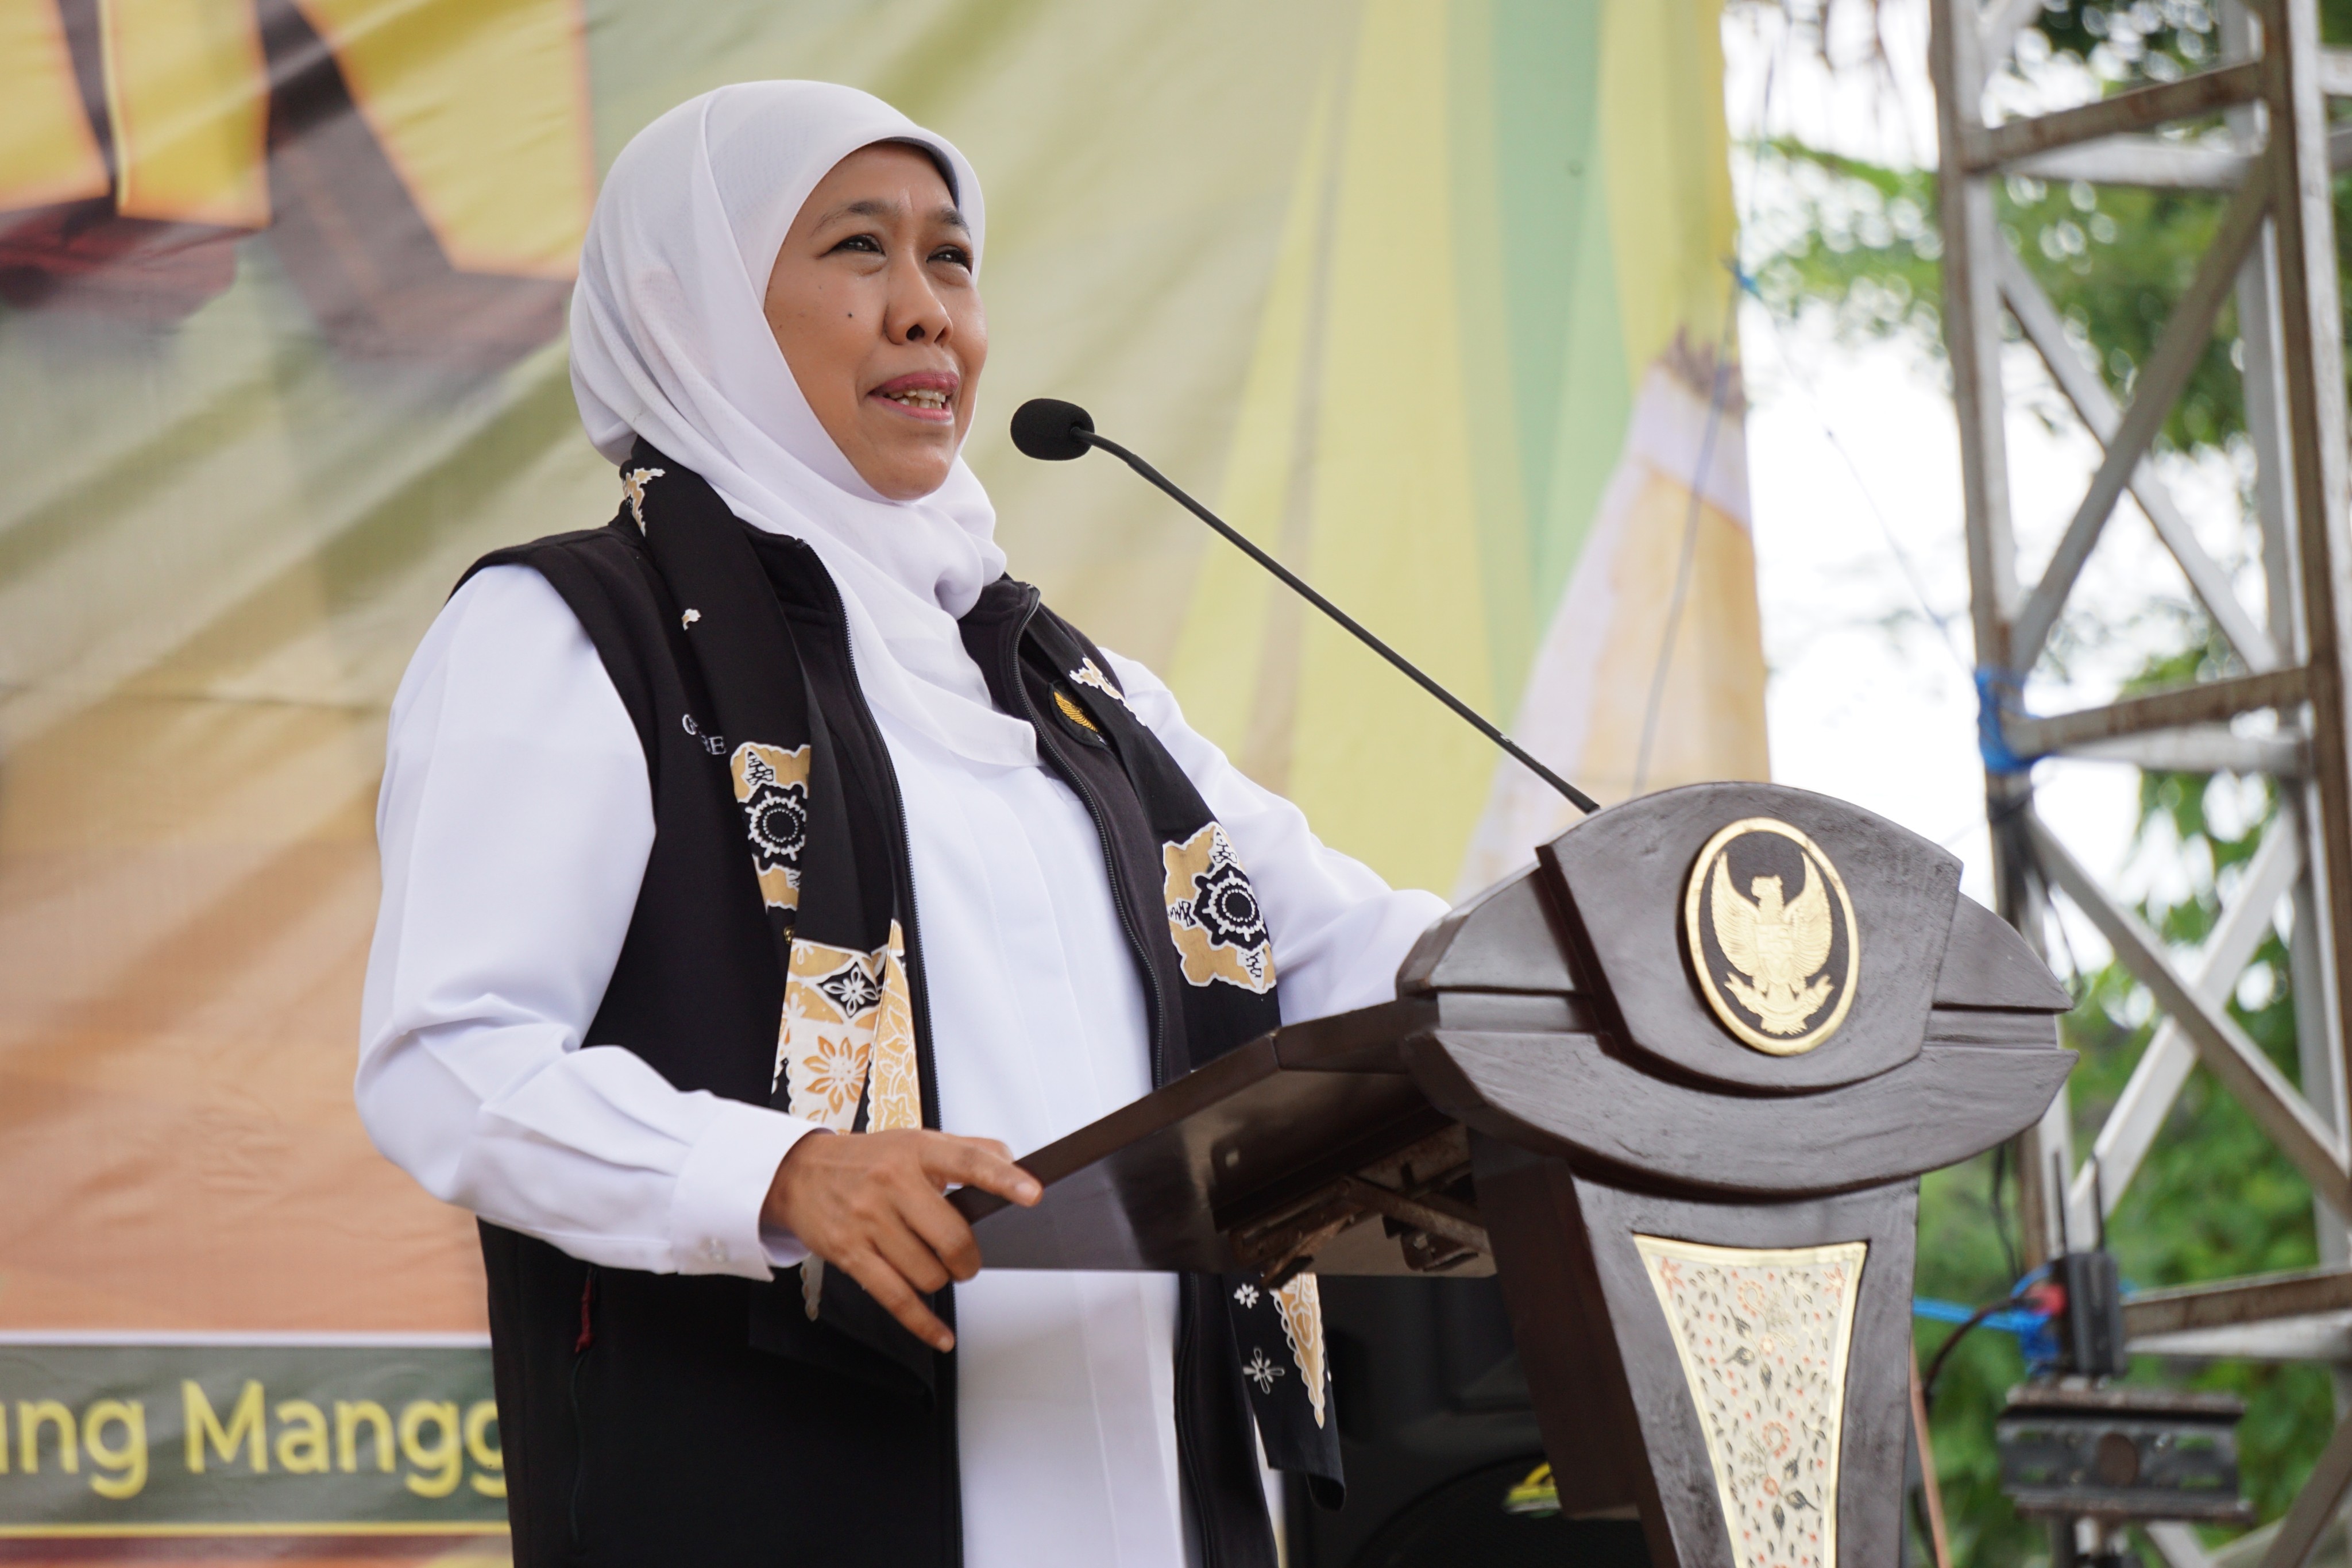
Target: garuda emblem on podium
column 1773, row 942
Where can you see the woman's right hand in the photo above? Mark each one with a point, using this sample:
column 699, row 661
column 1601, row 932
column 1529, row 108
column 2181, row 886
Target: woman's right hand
column 872, row 1202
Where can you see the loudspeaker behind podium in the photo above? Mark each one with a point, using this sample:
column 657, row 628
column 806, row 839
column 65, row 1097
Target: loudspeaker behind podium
column 1438, row 1432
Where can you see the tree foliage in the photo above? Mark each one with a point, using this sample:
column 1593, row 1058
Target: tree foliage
column 2214, row 1197
column 2113, row 259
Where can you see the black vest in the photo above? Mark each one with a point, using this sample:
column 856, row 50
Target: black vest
column 710, row 1419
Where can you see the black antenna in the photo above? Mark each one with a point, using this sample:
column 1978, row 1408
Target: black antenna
column 2099, row 1199
column 2066, row 1202
column 1055, row 432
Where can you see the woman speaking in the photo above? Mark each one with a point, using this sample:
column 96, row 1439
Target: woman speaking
column 763, row 863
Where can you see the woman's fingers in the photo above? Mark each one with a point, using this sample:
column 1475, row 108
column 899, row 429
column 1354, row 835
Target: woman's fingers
column 898, row 1298
column 871, row 1204
column 911, row 1253
column 981, row 1162
column 942, row 1230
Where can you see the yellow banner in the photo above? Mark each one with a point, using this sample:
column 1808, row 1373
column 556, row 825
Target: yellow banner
column 1430, row 299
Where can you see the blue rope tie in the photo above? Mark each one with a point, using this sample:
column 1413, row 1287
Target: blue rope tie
column 2012, row 1320
column 1997, row 694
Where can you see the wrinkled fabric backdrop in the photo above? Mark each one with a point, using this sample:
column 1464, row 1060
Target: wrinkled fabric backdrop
column 1430, row 299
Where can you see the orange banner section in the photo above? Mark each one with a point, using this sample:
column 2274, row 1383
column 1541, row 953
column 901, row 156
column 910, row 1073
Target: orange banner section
column 175, row 1094
column 45, row 144
column 441, row 80
column 47, row 151
column 188, row 95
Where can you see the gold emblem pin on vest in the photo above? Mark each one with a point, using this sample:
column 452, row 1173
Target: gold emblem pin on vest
column 1076, row 722
column 1774, row 944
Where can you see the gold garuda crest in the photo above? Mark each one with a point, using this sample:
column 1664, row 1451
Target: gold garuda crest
column 1774, row 945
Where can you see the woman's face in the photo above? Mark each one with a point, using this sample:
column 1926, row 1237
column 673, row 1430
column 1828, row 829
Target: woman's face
column 875, row 306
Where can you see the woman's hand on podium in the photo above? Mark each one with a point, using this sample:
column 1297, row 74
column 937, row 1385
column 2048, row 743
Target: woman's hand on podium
column 872, row 1202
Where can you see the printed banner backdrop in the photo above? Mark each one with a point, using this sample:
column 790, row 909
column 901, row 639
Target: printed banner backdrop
column 1430, row 299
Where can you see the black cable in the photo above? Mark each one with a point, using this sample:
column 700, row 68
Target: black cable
column 1923, row 1533
column 1944, row 1351
column 2077, row 986
column 2000, row 1211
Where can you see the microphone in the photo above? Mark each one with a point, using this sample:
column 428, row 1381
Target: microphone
column 1053, row 431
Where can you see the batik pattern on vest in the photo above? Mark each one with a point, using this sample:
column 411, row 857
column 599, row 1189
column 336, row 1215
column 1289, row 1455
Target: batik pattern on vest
column 849, row 1026
column 1297, row 1309
column 846, row 1052
column 771, row 785
column 1213, row 914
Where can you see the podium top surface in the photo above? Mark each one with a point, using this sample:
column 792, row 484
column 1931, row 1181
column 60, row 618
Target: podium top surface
column 1842, row 1019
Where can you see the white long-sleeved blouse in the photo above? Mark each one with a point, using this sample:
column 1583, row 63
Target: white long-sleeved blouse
column 515, row 823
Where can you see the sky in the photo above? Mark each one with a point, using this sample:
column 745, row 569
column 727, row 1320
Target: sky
column 1855, row 485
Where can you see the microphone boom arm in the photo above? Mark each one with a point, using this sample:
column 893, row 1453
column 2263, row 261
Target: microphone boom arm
column 1468, row 714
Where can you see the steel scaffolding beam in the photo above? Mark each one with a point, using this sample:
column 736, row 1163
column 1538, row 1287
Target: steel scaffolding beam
column 2275, row 252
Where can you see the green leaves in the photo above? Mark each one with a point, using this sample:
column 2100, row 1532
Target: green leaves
column 1863, row 241
column 2111, row 259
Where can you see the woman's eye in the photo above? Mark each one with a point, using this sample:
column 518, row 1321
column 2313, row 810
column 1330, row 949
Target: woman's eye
column 862, row 242
column 954, row 255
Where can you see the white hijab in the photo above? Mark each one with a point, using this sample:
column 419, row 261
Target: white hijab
column 670, row 342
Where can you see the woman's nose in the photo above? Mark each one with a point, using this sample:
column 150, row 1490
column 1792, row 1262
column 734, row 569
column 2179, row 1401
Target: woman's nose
column 926, row 325
column 916, row 314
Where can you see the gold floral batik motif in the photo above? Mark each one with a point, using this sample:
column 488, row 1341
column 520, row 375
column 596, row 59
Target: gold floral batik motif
column 1300, row 1302
column 771, row 785
column 1213, row 914
column 848, row 1018
column 833, row 997
column 1763, row 1337
column 897, row 1087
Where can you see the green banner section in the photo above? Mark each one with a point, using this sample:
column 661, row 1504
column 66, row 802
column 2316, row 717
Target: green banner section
column 247, row 1439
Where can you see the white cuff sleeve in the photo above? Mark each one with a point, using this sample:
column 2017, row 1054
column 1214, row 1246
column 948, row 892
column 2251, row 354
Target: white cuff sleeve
column 714, row 1215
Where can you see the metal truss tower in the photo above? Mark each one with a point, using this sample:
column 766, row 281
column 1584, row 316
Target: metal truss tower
column 2274, row 250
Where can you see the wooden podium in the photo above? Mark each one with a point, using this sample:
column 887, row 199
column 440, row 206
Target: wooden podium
column 1676, row 1085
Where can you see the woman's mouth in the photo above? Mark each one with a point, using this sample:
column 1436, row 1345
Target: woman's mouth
column 927, row 396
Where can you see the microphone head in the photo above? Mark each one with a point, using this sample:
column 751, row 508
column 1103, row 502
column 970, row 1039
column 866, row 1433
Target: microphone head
column 1050, row 430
